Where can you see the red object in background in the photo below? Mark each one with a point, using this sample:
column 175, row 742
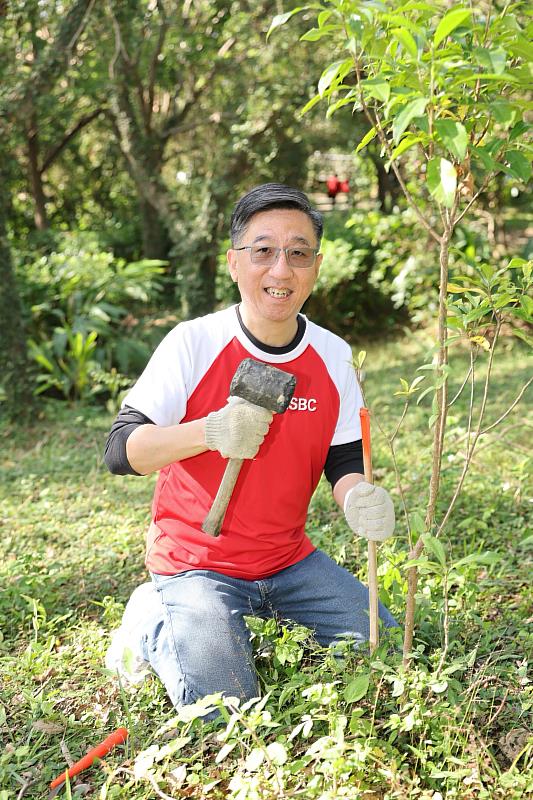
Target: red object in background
column 333, row 186
column 344, row 186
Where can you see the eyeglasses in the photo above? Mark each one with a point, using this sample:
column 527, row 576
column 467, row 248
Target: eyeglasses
column 265, row 255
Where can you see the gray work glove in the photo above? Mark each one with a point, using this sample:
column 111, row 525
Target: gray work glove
column 369, row 511
column 238, row 429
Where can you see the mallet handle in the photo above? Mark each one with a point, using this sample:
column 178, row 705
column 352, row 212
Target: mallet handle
column 372, row 547
column 213, row 522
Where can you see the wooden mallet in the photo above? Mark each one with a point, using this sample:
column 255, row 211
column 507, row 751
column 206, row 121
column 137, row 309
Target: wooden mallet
column 372, row 547
column 265, row 386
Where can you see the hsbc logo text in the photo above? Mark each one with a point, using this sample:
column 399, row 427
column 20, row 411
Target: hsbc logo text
column 302, row 404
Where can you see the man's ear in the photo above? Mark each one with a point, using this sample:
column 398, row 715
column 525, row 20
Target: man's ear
column 318, row 262
column 231, row 257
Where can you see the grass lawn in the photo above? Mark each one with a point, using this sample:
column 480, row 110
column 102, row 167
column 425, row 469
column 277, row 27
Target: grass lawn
column 72, row 551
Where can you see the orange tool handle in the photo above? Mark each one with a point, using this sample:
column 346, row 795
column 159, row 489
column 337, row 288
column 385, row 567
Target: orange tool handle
column 117, row 737
column 364, row 416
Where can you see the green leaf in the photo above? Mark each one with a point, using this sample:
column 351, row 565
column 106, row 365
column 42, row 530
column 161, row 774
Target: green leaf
column 336, row 70
column 517, row 263
column 281, row 19
column 350, row 99
column 493, row 60
column 453, row 136
column 310, row 104
column 521, row 47
column 490, row 558
column 436, row 548
column 505, row 77
column 454, row 288
column 523, row 335
column 407, row 41
column 527, row 304
column 519, row 165
column 504, row 112
column 414, row 384
column 407, row 142
column 498, row 58
column 417, row 523
column 277, row 753
column 413, row 109
column 482, row 57
column 481, row 154
column 442, row 181
column 476, row 313
column 376, row 87
column 503, row 300
column 314, row 34
column 518, row 129
column 369, row 135
column 360, row 360
column 357, row 688
column 420, row 563
column 449, row 23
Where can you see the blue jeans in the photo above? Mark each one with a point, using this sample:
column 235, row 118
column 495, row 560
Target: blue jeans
column 203, row 644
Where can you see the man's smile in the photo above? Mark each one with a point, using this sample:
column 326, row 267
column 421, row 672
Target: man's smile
column 279, row 293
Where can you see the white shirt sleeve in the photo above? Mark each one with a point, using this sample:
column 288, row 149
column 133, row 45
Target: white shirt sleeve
column 161, row 392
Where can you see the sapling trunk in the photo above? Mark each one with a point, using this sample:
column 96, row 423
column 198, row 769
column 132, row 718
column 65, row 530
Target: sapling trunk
column 438, row 437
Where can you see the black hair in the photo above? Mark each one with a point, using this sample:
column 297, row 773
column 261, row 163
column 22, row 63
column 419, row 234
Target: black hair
column 267, row 197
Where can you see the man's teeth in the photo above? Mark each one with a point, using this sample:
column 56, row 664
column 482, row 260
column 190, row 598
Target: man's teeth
column 278, row 292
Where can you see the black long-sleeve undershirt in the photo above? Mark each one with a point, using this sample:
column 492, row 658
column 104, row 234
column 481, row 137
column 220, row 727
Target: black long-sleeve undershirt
column 342, row 459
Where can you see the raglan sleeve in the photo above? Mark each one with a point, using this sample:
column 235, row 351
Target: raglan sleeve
column 162, row 390
column 351, row 400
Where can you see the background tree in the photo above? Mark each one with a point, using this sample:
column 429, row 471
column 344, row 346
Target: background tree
column 20, row 99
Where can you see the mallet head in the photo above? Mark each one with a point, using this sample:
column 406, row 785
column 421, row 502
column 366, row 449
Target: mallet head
column 263, row 385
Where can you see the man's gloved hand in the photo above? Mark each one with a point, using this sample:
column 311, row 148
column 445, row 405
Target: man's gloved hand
column 238, row 429
column 369, row 511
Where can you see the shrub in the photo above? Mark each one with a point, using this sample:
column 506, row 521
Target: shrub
column 83, row 304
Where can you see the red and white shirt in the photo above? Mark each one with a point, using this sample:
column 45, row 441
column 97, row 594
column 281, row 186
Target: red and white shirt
column 189, row 376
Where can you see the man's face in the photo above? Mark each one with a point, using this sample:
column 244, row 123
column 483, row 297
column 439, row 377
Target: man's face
column 273, row 296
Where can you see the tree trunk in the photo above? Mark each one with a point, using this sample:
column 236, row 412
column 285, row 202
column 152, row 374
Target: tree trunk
column 438, row 440
column 155, row 239
column 35, row 177
column 199, row 297
column 15, row 378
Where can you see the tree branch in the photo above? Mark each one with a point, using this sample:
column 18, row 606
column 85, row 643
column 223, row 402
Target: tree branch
column 50, row 67
column 132, row 67
column 55, row 151
column 477, row 434
column 459, row 393
column 154, row 61
column 174, row 120
column 469, row 205
column 506, row 414
column 390, row 441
